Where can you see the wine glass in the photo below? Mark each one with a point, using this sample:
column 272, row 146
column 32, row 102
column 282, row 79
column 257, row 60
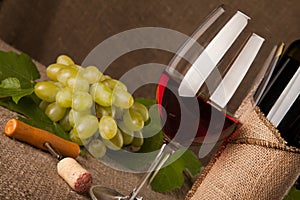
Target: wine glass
column 200, row 90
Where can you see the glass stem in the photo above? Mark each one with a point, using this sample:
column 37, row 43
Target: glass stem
column 156, row 165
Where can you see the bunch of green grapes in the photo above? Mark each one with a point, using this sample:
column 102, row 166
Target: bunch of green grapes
column 72, row 93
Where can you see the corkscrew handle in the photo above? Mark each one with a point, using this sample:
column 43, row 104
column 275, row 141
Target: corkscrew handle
column 38, row 137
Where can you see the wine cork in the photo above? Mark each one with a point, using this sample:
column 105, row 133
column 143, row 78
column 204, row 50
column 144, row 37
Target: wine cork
column 78, row 178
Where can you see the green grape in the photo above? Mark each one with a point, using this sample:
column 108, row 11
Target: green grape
column 114, row 84
column 86, row 126
column 82, row 101
column 103, row 111
column 78, row 84
column 73, row 134
column 107, row 127
column 133, row 120
column 140, row 108
column 64, row 122
column 138, row 139
column 43, row 105
column 64, row 60
column 117, row 112
column 122, row 98
column 127, row 134
column 58, row 84
column 101, row 94
column 64, row 97
column 55, row 112
column 104, row 77
column 64, row 74
column 91, row 74
column 116, row 143
column 74, row 116
column 77, row 67
column 97, row 148
column 52, row 70
column 46, row 90
column 74, row 137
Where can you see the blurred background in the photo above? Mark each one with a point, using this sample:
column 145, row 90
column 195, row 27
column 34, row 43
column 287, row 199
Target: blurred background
column 45, row 29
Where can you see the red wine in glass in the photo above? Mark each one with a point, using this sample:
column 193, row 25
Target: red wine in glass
column 168, row 97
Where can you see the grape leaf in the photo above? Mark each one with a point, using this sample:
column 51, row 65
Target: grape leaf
column 11, row 87
column 17, row 75
column 16, row 93
column 18, row 66
column 293, row 194
column 152, row 143
column 171, row 176
column 10, row 83
column 146, row 102
column 34, row 115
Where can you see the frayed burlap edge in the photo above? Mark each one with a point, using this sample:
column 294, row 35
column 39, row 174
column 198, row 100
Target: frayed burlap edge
column 204, row 172
column 207, row 168
column 233, row 139
column 281, row 145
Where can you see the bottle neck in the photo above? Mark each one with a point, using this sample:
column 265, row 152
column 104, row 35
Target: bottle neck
column 293, row 51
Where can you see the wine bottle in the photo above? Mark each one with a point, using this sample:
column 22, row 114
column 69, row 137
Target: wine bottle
column 297, row 184
column 280, row 101
column 290, row 125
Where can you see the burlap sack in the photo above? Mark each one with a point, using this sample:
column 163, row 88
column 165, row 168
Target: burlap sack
column 254, row 163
